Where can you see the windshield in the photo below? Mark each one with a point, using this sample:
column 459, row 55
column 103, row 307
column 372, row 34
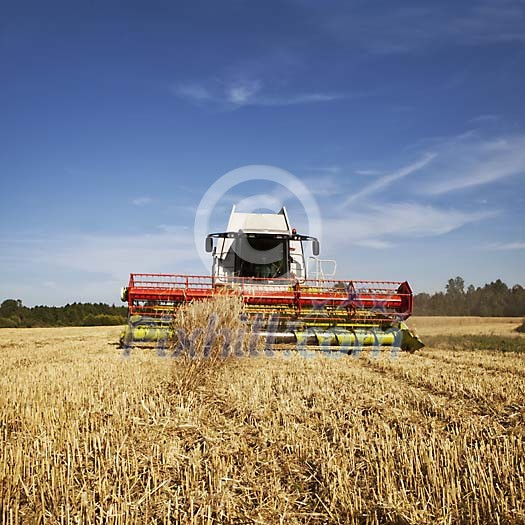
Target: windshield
column 261, row 257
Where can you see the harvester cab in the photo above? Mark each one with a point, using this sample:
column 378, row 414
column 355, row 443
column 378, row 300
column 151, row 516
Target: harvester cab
column 261, row 247
column 262, row 259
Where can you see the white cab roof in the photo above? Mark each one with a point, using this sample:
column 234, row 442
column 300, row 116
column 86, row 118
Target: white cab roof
column 259, row 222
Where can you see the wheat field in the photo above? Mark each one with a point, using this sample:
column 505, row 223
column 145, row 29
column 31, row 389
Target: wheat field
column 90, row 436
column 430, row 326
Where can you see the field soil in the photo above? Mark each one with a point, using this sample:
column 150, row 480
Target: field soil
column 88, row 435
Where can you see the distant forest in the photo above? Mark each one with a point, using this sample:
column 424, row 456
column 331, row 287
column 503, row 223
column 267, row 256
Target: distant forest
column 13, row 314
column 492, row 300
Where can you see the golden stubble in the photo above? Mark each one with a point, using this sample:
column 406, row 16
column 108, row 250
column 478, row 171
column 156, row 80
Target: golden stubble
column 89, row 436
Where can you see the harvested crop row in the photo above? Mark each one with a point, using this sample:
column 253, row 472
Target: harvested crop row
column 493, row 392
column 89, row 436
column 393, row 455
column 494, row 361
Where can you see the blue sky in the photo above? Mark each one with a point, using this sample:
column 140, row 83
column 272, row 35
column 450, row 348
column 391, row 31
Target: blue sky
column 404, row 119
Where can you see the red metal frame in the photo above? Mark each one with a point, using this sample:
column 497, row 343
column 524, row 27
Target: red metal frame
column 364, row 300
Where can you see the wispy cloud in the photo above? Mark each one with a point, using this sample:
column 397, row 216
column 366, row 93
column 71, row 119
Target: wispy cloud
column 142, row 201
column 94, row 267
column 193, row 91
column 506, row 246
column 412, row 29
column 375, row 244
column 385, row 181
column 476, row 162
column 367, row 173
column 381, row 226
column 491, row 21
column 243, row 93
column 249, row 93
column 334, row 169
column 485, row 118
column 325, row 185
column 305, row 98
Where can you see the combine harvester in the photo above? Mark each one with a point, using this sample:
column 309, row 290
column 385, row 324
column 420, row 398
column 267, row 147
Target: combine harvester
column 262, row 259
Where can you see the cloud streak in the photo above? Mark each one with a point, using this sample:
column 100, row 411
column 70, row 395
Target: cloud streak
column 249, row 93
column 94, row 267
column 508, row 246
column 243, row 93
column 400, row 29
column 382, row 226
column 474, row 163
column 485, row 118
column 385, row 181
column 142, row 201
column 491, row 21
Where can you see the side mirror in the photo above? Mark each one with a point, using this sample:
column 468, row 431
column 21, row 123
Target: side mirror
column 209, row 244
column 315, row 247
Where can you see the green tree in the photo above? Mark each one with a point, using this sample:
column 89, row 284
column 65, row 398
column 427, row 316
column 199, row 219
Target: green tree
column 456, row 286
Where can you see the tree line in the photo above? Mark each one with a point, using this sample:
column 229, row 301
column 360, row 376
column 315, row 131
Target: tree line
column 13, row 314
column 494, row 299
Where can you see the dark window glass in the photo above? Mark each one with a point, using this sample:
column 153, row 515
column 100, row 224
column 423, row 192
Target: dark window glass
column 261, row 257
